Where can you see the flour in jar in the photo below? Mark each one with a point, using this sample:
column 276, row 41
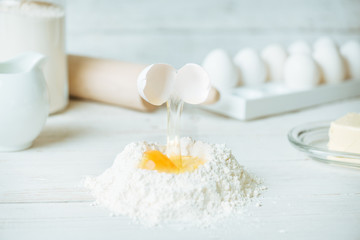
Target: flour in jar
column 37, row 26
column 219, row 188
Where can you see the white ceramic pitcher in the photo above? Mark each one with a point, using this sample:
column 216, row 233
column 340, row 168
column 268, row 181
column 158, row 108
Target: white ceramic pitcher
column 24, row 104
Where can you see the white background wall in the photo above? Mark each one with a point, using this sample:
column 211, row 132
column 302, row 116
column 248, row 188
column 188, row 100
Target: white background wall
column 185, row 30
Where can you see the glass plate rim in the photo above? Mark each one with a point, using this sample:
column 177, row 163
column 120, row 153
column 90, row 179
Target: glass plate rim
column 311, row 126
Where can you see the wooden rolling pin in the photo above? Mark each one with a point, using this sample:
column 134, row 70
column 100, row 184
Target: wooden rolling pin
column 110, row 81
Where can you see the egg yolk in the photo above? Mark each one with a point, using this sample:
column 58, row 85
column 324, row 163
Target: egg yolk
column 156, row 160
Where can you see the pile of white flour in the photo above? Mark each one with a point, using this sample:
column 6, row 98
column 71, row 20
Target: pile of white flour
column 219, row 188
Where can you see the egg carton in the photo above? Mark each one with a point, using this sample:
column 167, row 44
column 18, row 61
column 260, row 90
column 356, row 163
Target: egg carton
column 247, row 103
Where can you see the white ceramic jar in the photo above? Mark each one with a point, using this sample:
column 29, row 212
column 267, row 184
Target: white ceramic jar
column 37, row 26
column 24, row 103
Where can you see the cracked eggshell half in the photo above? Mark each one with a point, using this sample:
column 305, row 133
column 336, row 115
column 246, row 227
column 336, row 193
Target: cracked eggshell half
column 301, row 72
column 327, row 56
column 351, row 54
column 300, row 47
column 222, row 72
column 251, row 67
column 156, row 82
column 274, row 56
column 192, row 84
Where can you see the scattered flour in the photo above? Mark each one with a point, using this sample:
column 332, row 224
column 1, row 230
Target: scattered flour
column 217, row 189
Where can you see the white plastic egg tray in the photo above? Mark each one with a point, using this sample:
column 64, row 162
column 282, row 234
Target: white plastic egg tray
column 247, row 103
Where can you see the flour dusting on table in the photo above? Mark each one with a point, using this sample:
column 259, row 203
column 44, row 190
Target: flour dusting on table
column 219, row 188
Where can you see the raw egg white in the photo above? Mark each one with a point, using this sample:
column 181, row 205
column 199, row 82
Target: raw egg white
column 222, row 72
column 274, row 56
column 251, row 67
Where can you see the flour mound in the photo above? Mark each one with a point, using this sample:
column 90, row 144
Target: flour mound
column 217, row 189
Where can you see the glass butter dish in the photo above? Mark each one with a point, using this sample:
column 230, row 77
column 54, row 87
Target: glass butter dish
column 312, row 139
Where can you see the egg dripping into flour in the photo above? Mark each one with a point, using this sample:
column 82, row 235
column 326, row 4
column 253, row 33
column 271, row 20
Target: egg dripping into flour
column 160, row 83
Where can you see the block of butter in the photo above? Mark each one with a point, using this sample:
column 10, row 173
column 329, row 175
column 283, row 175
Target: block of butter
column 344, row 134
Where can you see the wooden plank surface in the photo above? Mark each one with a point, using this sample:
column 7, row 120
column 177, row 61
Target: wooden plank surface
column 213, row 15
column 178, row 32
column 41, row 195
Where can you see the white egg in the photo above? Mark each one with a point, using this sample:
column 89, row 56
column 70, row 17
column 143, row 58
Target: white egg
column 251, row 67
column 156, row 82
column 299, row 47
column 221, row 69
column 325, row 42
column 351, row 54
column 301, row 72
column 327, row 56
column 274, row 56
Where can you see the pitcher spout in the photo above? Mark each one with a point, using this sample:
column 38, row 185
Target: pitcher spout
column 30, row 60
column 24, row 62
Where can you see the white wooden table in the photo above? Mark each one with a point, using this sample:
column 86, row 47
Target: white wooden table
column 41, row 196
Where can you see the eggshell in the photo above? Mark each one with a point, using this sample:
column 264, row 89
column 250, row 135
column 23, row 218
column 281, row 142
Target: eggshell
column 351, row 54
column 299, row 47
column 221, row 70
column 301, row 72
column 328, row 57
column 156, row 82
column 251, row 67
column 192, row 84
column 274, row 56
